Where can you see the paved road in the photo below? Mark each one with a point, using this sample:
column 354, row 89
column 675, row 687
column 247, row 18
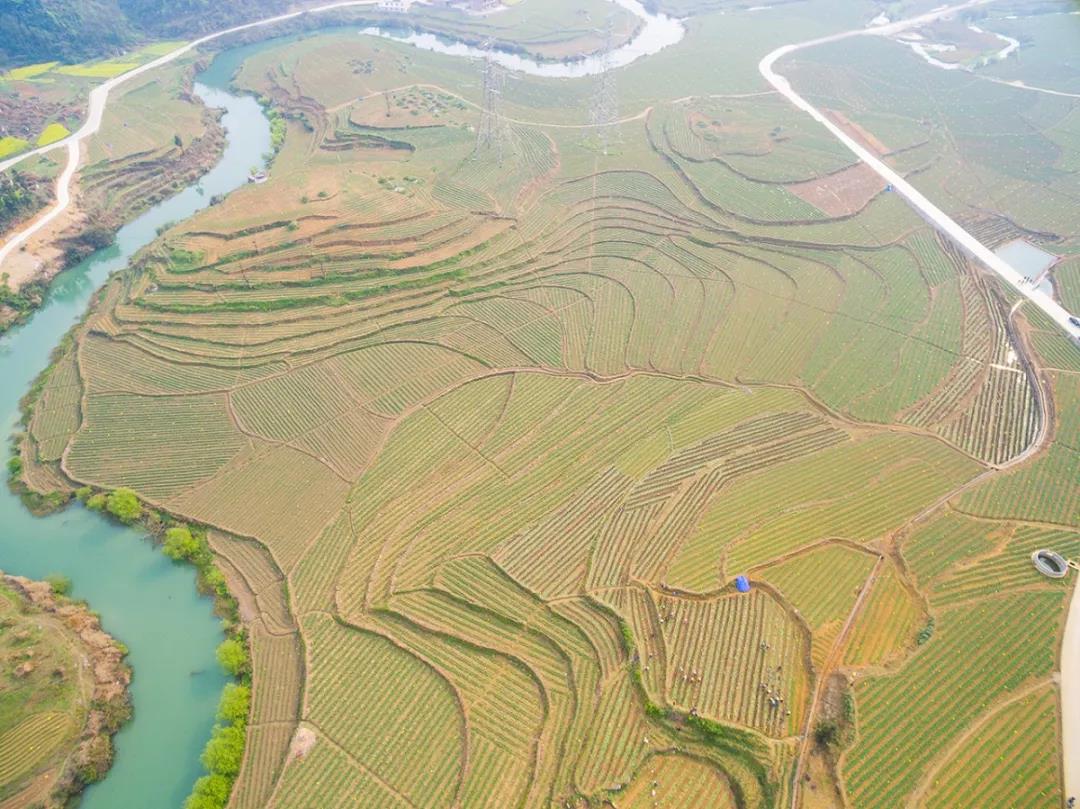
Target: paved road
column 929, row 211
column 96, row 110
column 1070, row 653
column 1070, row 696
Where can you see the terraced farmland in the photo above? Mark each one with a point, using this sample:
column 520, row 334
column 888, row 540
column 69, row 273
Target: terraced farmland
column 484, row 446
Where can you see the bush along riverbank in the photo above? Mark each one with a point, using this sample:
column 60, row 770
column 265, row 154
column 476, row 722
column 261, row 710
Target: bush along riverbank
column 95, row 663
column 187, row 544
column 184, row 543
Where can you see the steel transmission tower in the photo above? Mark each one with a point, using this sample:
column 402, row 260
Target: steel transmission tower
column 604, row 115
column 491, row 136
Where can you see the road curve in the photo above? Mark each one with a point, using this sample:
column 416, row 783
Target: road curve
column 924, row 206
column 1070, row 652
column 96, row 111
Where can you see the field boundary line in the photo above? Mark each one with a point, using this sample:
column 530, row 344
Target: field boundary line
column 830, row 664
column 358, row 764
column 917, row 798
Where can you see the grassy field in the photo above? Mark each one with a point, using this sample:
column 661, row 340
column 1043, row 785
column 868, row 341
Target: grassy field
column 485, row 444
column 10, row 146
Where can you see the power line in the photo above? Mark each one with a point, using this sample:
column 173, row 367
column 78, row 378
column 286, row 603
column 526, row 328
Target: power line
column 604, row 114
column 491, row 136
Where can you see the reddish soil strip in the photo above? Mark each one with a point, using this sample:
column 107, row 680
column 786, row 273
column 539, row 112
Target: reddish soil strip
column 864, row 137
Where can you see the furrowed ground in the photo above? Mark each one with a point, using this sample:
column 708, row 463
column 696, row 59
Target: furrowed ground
column 484, row 446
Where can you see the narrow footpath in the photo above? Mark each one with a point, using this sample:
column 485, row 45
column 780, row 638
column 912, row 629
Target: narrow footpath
column 1070, row 698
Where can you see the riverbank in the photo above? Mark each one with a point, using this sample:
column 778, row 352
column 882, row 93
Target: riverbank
column 143, row 596
column 104, row 196
column 55, row 649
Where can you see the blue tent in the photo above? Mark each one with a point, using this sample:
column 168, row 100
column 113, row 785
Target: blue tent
column 742, row 584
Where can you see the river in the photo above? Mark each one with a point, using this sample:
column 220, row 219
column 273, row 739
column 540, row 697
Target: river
column 657, row 31
column 145, row 600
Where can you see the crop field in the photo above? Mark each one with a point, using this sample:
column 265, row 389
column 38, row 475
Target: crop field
column 1018, row 733
column 10, row 145
column 484, row 445
column 44, row 698
column 153, row 140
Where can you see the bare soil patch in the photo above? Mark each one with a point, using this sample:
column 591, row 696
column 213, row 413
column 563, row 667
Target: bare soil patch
column 841, row 194
column 302, row 742
column 863, row 136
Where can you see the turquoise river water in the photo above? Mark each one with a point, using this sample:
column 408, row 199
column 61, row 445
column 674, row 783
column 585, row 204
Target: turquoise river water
column 145, row 600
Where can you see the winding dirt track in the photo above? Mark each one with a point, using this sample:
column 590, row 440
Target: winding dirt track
column 934, row 215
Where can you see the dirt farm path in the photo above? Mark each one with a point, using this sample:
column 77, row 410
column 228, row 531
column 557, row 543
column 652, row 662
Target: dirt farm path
column 937, row 217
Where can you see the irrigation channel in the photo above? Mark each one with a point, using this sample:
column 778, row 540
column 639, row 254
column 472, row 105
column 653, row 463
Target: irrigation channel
column 145, row 600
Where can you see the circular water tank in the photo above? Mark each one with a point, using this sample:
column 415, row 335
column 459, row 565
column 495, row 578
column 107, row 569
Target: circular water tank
column 1050, row 563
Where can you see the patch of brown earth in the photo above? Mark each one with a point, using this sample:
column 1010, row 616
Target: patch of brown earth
column 302, row 742
column 863, row 136
column 843, row 193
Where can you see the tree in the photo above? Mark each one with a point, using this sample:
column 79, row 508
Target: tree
column 233, row 707
column 179, row 143
column 224, row 751
column 180, row 544
column 124, row 505
column 233, row 657
column 210, row 792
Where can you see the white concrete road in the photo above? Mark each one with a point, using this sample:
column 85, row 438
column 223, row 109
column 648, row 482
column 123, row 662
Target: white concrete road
column 925, row 207
column 96, row 110
column 1070, row 650
column 1070, row 697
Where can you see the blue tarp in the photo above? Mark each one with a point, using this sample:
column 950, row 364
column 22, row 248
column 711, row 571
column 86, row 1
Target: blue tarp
column 742, row 584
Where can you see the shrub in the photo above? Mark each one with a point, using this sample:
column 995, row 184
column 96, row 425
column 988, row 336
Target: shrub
column 124, row 505
column 61, row 585
column 826, row 733
column 96, row 502
column 926, row 632
column 213, row 580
